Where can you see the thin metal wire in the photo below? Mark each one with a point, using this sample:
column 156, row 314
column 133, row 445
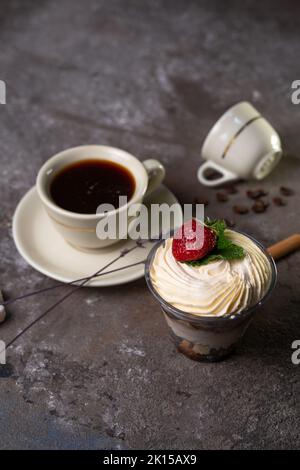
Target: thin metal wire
column 64, row 284
column 139, row 244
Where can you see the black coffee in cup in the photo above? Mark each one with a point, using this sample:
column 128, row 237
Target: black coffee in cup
column 82, row 186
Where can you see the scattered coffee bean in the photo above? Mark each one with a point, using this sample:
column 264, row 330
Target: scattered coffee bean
column 256, row 193
column 240, row 209
column 222, row 197
column 201, row 201
column 278, row 201
column 286, row 191
column 259, row 206
column 230, row 223
column 2, row 309
column 231, row 189
column 171, row 109
column 2, row 313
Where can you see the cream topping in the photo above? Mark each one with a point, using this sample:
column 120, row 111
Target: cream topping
column 216, row 289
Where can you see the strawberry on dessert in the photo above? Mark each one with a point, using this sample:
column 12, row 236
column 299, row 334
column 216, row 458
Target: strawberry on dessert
column 227, row 274
column 193, row 241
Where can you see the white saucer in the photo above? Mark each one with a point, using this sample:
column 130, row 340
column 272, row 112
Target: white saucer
column 45, row 250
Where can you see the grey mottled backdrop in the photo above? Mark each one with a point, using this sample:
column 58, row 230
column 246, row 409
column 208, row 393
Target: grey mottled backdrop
column 150, row 77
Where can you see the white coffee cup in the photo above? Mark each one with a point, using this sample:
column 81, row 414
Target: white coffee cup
column 80, row 229
column 242, row 144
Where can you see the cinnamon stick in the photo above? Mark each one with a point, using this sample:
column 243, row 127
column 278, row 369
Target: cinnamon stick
column 285, row 247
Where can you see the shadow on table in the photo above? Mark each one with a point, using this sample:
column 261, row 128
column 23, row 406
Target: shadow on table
column 274, row 328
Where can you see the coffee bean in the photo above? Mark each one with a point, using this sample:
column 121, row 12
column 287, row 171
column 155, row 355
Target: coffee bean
column 171, row 109
column 231, row 189
column 259, row 206
column 286, row 191
column 230, row 223
column 256, row 193
column 2, row 309
column 203, row 201
column 240, row 209
column 278, row 201
column 222, row 197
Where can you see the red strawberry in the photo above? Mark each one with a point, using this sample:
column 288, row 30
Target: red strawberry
column 189, row 244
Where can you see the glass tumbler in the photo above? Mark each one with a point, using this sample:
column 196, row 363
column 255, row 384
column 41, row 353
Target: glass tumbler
column 207, row 338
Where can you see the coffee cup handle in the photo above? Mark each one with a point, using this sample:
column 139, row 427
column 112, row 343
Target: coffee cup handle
column 226, row 174
column 156, row 173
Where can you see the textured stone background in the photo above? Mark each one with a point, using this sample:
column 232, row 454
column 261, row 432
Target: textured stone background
column 150, row 77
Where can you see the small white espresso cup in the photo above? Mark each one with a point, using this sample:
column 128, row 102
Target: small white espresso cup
column 242, row 144
column 80, row 230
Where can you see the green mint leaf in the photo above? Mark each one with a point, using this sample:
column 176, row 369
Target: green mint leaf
column 224, row 249
column 232, row 252
column 207, row 259
column 219, row 226
column 229, row 253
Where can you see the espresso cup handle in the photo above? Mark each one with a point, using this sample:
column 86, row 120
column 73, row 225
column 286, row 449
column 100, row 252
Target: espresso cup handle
column 156, row 173
column 226, row 175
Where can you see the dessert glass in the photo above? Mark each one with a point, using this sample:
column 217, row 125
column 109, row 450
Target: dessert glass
column 207, row 338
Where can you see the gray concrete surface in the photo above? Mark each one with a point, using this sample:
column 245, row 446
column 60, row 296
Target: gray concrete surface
column 150, row 77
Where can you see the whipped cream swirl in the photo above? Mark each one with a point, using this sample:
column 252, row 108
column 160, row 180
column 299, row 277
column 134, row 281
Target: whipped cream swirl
column 216, row 289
